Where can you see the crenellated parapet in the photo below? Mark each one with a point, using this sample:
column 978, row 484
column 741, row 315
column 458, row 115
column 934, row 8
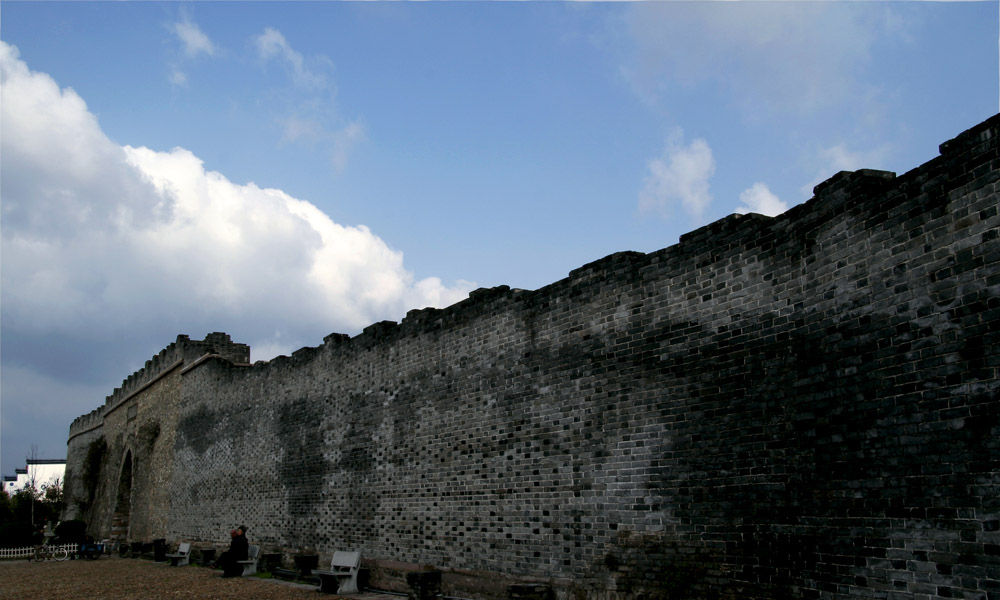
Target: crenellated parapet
column 87, row 422
column 182, row 351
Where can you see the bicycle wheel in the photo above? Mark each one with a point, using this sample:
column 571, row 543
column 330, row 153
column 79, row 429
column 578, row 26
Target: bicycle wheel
column 60, row 553
column 40, row 553
column 124, row 550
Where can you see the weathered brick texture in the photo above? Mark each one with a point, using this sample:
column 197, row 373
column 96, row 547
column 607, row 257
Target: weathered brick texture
column 127, row 494
column 798, row 407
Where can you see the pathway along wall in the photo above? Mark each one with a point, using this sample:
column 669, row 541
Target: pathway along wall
column 797, row 407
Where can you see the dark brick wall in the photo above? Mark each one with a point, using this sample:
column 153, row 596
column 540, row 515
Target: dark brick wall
column 135, row 427
column 797, row 407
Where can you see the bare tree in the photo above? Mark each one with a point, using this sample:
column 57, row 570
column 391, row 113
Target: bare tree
column 32, row 482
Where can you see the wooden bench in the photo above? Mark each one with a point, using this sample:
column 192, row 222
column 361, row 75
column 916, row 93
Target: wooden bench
column 250, row 564
column 182, row 556
column 342, row 578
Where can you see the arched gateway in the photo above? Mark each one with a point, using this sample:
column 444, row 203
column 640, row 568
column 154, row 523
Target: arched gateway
column 123, row 502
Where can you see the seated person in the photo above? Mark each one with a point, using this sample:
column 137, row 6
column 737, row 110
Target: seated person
column 238, row 548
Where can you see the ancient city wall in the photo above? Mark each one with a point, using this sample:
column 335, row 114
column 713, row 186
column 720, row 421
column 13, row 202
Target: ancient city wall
column 78, row 491
column 797, row 407
column 120, row 456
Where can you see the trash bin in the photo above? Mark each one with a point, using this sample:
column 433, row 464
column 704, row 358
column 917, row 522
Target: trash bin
column 160, row 550
column 306, row 563
column 207, row 556
column 424, row 585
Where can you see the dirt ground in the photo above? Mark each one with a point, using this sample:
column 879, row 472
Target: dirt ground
column 113, row 578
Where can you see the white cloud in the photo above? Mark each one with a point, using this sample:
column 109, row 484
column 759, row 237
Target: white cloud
column 98, row 238
column 311, row 116
column 311, row 130
column 679, row 176
column 759, row 199
column 297, row 128
column 839, row 158
column 178, row 77
column 193, row 42
column 344, row 141
column 772, row 57
column 827, row 162
column 192, row 38
column 272, row 45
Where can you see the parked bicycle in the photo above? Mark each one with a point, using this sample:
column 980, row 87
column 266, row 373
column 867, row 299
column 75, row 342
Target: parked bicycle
column 45, row 552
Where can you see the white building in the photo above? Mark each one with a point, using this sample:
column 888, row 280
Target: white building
column 43, row 472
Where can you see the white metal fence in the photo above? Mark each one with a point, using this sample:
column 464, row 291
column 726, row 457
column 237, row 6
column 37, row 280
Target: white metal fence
column 15, row 553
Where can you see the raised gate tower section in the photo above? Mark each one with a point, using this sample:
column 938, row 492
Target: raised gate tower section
column 120, row 456
column 803, row 406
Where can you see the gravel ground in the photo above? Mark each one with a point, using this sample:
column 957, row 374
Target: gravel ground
column 113, row 578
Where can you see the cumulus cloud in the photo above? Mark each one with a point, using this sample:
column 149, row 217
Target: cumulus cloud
column 759, row 199
column 679, row 176
column 100, row 238
column 108, row 252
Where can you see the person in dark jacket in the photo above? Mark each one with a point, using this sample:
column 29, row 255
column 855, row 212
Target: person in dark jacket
column 238, row 549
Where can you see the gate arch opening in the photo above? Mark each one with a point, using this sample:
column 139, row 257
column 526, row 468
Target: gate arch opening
column 123, row 502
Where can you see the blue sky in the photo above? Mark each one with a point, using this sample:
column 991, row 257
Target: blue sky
column 281, row 171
